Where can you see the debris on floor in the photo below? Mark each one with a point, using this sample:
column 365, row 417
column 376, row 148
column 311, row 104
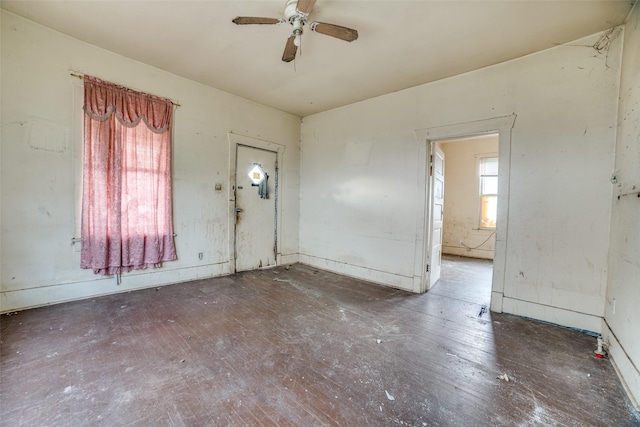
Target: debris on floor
column 389, row 396
column 378, row 340
column 599, row 352
column 483, row 310
column 503, row 377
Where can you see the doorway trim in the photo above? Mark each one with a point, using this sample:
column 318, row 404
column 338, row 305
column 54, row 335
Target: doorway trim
column 234, row 141
column 503, row 126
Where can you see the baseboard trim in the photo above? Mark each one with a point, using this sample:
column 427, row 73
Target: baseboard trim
column 497, row 299
column 468, row 253
column 559, row 316
column 288, row 259
column 363, row 273
column 625, row 368
column 22, row 299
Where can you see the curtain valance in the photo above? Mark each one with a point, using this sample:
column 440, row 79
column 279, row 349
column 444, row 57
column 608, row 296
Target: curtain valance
column 102, row 99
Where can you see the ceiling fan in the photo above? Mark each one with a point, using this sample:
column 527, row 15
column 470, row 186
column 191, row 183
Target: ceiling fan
column 296, row 13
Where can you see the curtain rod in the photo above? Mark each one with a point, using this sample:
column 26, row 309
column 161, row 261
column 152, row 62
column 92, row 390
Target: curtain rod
column 80, row 76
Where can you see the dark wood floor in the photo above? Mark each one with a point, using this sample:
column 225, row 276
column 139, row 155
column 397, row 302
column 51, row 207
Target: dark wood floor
column 301, row 347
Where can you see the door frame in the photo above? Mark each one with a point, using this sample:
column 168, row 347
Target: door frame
column 426, row 137
column 234, row 141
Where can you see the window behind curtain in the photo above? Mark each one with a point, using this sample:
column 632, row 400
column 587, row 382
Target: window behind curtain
column 126, row 197
column 488, row 192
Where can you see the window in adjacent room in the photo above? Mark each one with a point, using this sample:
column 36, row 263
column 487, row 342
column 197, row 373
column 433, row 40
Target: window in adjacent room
column 126, row 186
column 488, row 192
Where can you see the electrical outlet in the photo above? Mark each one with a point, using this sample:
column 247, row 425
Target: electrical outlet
column 200, row 255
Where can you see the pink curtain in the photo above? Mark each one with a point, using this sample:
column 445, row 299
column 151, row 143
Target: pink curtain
column 126, row 199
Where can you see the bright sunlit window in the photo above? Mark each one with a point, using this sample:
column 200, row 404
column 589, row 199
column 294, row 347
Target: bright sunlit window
column 488, row 192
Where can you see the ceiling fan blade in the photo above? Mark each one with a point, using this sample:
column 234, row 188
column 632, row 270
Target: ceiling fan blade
column 305, row 6
column 246, row 20
column 336, row 31
column 290, row 50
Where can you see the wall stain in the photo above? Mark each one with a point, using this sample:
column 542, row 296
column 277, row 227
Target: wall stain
column 44, row 211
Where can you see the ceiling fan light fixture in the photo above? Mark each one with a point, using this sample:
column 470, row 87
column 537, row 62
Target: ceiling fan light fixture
column 297, row 31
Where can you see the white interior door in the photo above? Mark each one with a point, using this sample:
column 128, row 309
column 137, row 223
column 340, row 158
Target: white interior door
column 255, row 231
column 437, row 211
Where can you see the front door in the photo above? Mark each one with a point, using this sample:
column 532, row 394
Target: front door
column 255, row 230
column 437, row 211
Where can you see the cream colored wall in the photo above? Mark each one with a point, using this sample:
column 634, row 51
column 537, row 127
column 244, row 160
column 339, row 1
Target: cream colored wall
column 362, row 197
column 461, row 198
column 621, row 324
column 39, row 148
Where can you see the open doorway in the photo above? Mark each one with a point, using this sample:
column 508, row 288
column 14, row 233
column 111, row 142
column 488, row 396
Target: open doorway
column 464, row 211
column 469, row 219
column 501, row 126
column 470, row 196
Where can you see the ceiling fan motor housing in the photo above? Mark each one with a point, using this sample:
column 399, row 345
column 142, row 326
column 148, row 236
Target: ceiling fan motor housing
column 292, row 13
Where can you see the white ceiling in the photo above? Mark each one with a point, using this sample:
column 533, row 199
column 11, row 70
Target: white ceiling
column 401, row 43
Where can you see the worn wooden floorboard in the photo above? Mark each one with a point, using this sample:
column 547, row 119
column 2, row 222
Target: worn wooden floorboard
column 302, row 347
